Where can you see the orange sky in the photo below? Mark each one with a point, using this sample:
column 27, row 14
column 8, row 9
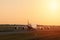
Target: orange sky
column 38, row 11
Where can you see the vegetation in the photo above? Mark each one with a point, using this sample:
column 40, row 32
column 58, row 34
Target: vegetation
column 18, row 36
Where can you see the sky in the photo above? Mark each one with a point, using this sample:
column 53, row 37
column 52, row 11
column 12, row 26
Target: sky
column 46, row 12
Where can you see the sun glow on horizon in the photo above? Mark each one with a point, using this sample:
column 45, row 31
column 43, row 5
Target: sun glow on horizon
column 53, row 5
column 39, row 11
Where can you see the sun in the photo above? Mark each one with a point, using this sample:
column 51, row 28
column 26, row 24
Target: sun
column 53, row 5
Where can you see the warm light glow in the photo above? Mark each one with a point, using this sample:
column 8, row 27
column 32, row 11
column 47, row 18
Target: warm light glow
column 39, row 12
column 53, row 5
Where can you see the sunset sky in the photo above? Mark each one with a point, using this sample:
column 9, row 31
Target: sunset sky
column 46, row 12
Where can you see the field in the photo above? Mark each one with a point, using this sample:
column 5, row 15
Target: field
column 36, row 35
column 17, row 36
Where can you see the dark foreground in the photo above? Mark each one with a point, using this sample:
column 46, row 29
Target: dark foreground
column 32, row 35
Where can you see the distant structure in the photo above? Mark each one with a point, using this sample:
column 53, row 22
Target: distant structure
column 29, row 25
column 43, row 27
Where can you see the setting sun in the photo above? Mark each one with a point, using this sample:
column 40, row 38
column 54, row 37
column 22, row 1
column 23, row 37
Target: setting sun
column 53, row 5
column 39, row 12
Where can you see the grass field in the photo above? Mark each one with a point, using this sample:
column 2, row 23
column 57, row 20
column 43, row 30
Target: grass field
column 37, row 35
column 18, row 36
